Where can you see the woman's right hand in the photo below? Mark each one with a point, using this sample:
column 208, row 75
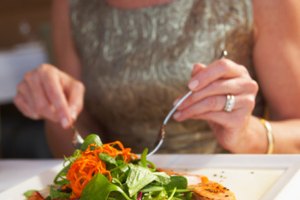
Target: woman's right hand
column 48, row 93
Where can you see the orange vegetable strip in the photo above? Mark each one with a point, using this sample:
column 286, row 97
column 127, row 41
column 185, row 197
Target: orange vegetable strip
column 88, row 164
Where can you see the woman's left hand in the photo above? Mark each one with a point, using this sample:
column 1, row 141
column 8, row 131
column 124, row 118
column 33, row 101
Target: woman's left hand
column 210, row 86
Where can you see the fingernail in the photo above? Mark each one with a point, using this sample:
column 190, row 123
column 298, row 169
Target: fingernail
column 64, row 122
column 73, row 114
column 177, row 115
column 193, row 84
column 202, row 65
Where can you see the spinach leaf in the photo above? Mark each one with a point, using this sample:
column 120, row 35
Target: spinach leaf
column 162, row 177
column 138, row 178
column 99, row 188
column 179, row 182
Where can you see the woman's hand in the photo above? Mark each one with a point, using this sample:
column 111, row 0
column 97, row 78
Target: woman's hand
column 210, row 86
column 48, row 93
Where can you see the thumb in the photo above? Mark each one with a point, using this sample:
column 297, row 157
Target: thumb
column 75, row 99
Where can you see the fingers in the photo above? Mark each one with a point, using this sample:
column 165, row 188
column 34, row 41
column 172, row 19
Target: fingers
column 36, row 97
column 74, row 96
column 44, row 94
column 23, row 106
column 214, row 104
column 235, row 86
column 197, row 68
column 55, row 94
column 23, row 99
column 211, row 85
column 220, row 69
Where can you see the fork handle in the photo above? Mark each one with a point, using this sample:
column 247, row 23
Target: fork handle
column 176, row 106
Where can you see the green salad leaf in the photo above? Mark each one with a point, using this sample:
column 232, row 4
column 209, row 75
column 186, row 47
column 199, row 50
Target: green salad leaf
column 29, row 193
column 56, row 193
column 99, row 188
column 91, row 139
column 179, row 182
column 137, row 179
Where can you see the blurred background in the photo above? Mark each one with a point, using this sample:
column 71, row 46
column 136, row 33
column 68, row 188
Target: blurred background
column 25, row 42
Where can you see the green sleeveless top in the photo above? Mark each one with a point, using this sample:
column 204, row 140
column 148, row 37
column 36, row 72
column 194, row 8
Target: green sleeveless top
column 136, row 62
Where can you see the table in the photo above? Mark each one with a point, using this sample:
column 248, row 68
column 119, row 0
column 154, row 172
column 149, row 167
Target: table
column 13, row 172
column 250, row 177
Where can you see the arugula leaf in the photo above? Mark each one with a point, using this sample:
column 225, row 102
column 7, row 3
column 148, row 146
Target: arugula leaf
column 107, row 158
column 120, row 172
column 172, row 194
column 99, row 188
column 152, row 189
column 91, row 139
column 60, row 178
column 130, row 181
column 144, row 158
column 162, row 195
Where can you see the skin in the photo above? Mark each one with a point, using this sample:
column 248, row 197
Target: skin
column 56, row 94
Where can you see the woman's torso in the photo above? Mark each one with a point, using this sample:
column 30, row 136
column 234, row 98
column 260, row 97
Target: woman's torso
column 136, row 62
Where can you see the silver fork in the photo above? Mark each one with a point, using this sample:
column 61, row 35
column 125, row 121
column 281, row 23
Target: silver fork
column 77, row 139
column 162, row 132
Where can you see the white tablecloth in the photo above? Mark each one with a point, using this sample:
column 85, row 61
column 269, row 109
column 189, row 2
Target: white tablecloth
column 250, row 177
column 13, row 172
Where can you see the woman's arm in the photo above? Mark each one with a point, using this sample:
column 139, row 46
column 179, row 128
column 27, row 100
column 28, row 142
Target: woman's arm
column 276, row 54
column 59, row 139
column 63, row 45
column 55, row 94
column 277, row 64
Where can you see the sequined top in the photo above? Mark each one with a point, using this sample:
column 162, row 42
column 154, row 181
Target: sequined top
column 137, row 62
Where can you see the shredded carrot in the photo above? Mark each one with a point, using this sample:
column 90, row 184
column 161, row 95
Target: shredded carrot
column 88, row 164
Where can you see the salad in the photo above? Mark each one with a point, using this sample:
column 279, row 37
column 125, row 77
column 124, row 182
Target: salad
column 112, row 172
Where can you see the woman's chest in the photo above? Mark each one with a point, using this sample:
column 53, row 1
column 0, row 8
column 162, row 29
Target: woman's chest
column 134, row 4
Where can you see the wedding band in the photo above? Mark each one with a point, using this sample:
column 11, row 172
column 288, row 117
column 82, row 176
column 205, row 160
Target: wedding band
column 229, row 104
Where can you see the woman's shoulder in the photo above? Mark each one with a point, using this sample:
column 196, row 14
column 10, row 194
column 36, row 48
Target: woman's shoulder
column 277, row 8
column 276, row 16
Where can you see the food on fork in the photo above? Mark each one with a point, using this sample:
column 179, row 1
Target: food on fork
column 112, row 172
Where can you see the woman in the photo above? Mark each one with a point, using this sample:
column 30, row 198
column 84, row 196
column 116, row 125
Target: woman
column 132, row 59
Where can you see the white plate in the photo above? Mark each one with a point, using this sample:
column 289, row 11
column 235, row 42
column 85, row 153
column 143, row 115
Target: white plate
column 250, row 177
